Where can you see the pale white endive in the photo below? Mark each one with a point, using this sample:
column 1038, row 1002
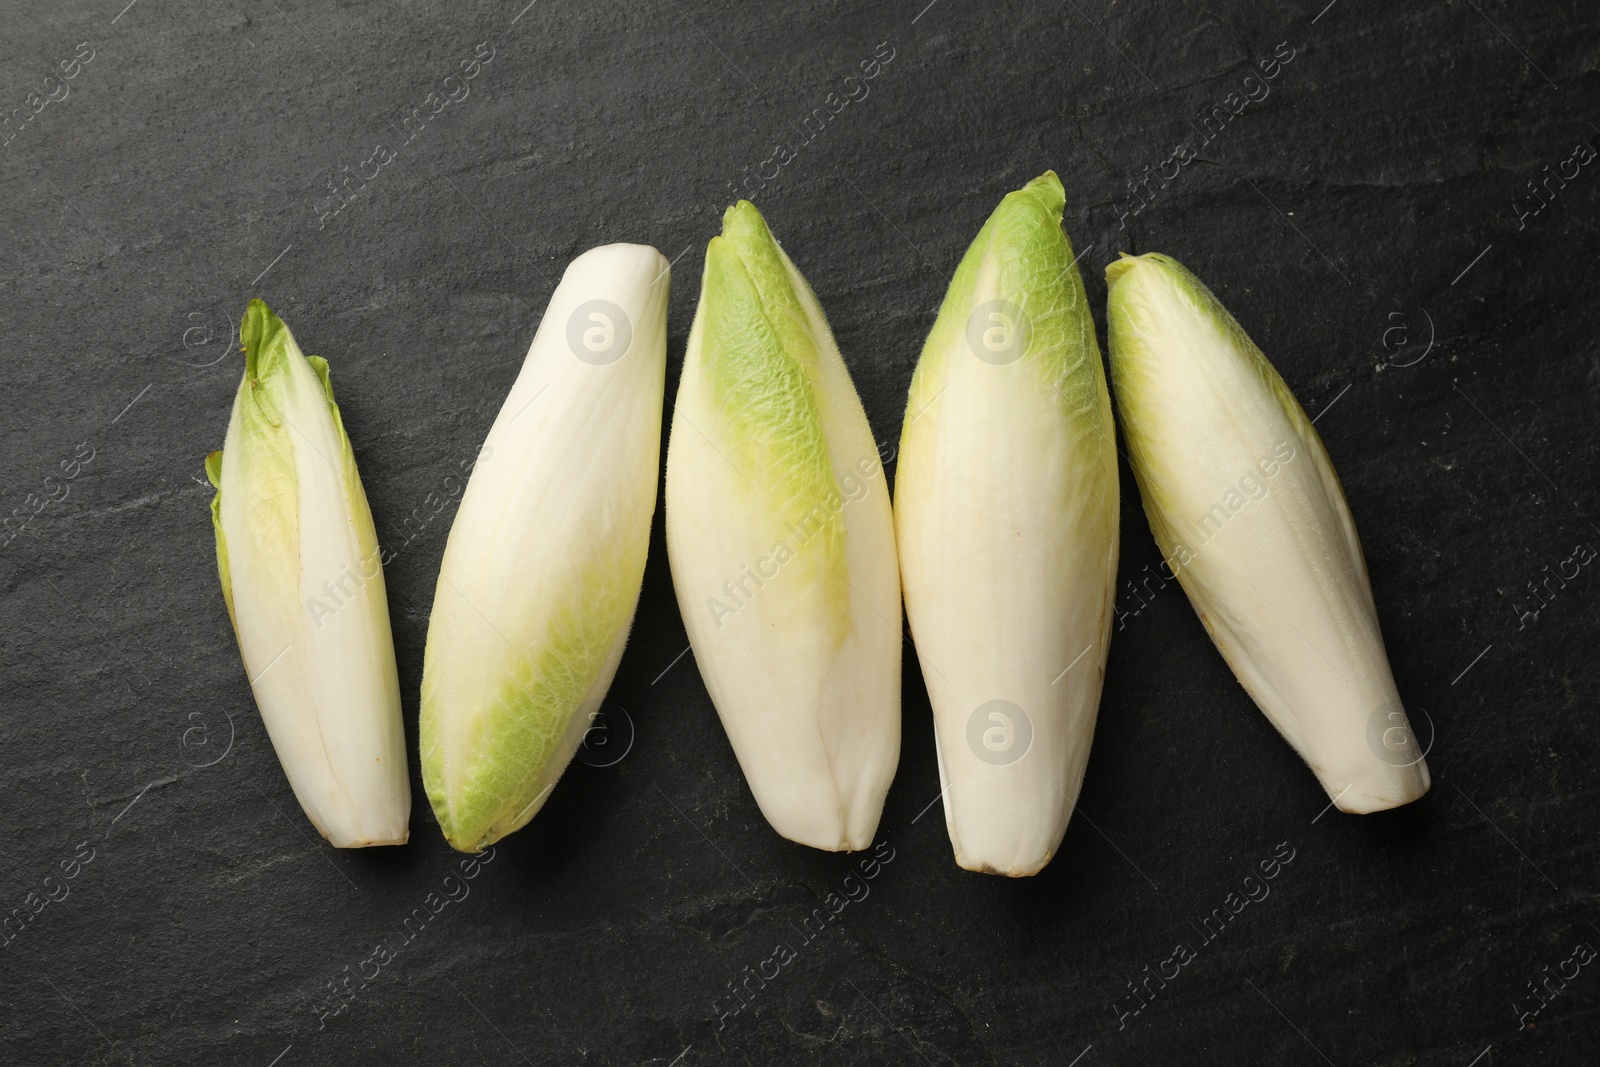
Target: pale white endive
column 303, row 580
column 1249, row 513
column 1006, row 518
column 542, row 570
column 782, row 546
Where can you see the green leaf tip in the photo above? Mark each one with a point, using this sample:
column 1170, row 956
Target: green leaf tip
column 266, row 341
column 1037, row 206
column 763, row 342
column 1120, row 267
column 1047, row 191
column 1022, row 247
column 760, row 342
column 1136, row 285
column 743, row 221
column 1127, row 263
column 760, row 354
column 745, row 234
column 1020, row 275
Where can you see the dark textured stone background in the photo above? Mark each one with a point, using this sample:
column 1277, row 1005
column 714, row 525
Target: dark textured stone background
column 142, row 211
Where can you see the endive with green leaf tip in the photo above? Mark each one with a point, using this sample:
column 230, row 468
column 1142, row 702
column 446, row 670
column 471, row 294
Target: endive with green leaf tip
column 1006, row 516
column 1250, row 515
column 303, row 580
column 542, row 570
column 782, row 545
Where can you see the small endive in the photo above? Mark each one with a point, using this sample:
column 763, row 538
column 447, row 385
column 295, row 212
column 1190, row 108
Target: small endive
column 1250, row 515
column 542, row 570
column 782, row 546
column 303, row 580
column 1006, row 515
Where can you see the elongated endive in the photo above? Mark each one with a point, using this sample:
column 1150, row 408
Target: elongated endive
column 542, row 570
column 1006, row 516
column 782, row 546
column 303, row 580
column 1250, row 515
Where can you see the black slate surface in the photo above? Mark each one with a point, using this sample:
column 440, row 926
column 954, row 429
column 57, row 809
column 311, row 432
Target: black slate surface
column 1362, row 220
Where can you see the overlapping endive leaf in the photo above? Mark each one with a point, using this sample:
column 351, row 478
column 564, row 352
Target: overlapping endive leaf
column 545, row 559
column 303, row 580
column 1250, row 515
column 1006, row 518
column 781, row 541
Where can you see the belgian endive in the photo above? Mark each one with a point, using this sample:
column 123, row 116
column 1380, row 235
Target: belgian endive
column 782, row 546
column 1006, row 516
column 542, row 570
column 303, row 581
column 1249, row 513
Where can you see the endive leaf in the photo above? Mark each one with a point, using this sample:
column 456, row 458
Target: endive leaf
column 299, row 564
column 1006, row 519
column 780, row 536
column 546, row 556
column 1249, row 513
